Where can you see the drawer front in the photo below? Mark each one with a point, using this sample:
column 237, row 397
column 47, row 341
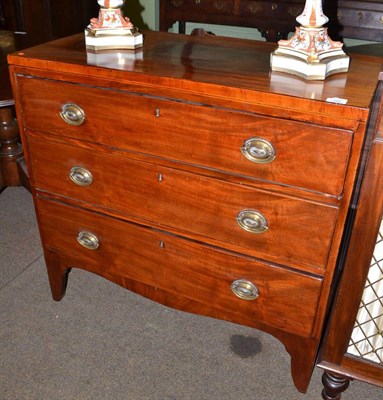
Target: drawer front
column 298, row 232
column 281, row 151
column 360, row 16
column 284, row 12
column 286, row 300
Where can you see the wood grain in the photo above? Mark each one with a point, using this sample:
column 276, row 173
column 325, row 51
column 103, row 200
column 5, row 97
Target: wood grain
column 299, row 234
column 160, row 260
column 193, row 133
column 161, row 138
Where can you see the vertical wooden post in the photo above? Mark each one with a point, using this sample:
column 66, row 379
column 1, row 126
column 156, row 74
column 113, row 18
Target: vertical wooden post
column 333, row 386
column 10, row 148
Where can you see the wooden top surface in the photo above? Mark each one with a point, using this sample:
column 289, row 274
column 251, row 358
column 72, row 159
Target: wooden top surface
column 218, row 66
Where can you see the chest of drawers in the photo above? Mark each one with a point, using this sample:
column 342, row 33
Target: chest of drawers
column 192, row 175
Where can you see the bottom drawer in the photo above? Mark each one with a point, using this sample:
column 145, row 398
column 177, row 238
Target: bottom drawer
column 283, row 299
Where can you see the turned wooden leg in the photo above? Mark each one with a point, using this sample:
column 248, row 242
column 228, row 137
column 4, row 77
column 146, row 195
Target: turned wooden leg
column 334, row 386
column 10, row 148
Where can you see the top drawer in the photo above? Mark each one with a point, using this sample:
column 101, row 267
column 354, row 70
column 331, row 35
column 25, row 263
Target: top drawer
column 276, row 150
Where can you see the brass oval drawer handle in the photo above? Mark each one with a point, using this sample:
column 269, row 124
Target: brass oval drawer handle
column 81, row 176
column 72, row 114
column 88, row 240
column 252, row 221
column 244, row 289
column 258, row 150
column 360, row 15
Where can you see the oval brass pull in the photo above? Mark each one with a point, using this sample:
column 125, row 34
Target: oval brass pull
column 88, row 240
column 244, row 289
column 252, row 221
column 72, row 114
column 81, row 176
column 258, row 150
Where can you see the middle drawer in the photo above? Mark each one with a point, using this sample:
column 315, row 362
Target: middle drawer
column 267, row 225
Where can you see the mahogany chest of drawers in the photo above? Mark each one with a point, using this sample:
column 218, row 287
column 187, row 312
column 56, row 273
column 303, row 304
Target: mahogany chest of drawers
column 191, row 174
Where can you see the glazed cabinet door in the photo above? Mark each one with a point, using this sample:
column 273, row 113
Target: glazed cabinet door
column 353, row 347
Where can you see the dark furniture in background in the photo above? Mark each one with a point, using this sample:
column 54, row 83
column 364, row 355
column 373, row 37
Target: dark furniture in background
column 275, row 19
column 38, row 21
column 10, row 148
column 25, row 23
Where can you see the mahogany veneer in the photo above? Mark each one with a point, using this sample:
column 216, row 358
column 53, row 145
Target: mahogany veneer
column 155, row 173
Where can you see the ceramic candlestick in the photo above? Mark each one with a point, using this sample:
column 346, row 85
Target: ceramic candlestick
column 111, row 30
column 310, row 53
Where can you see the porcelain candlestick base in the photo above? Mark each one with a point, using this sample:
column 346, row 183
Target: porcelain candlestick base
column 111, row 30
column 310, row 53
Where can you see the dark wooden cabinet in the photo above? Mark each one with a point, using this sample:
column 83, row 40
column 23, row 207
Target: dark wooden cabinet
column 275, row 19
column 38, row 21
column 25, row 23
column 10, row 147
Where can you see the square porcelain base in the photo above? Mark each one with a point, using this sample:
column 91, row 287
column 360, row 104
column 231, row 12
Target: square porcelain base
column 112, row 39
column 311, row 70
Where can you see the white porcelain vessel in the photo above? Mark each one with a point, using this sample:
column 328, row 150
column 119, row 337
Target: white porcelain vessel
column 111, row 30
column 312, row 16
column 110, row 3
column 310, row 53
